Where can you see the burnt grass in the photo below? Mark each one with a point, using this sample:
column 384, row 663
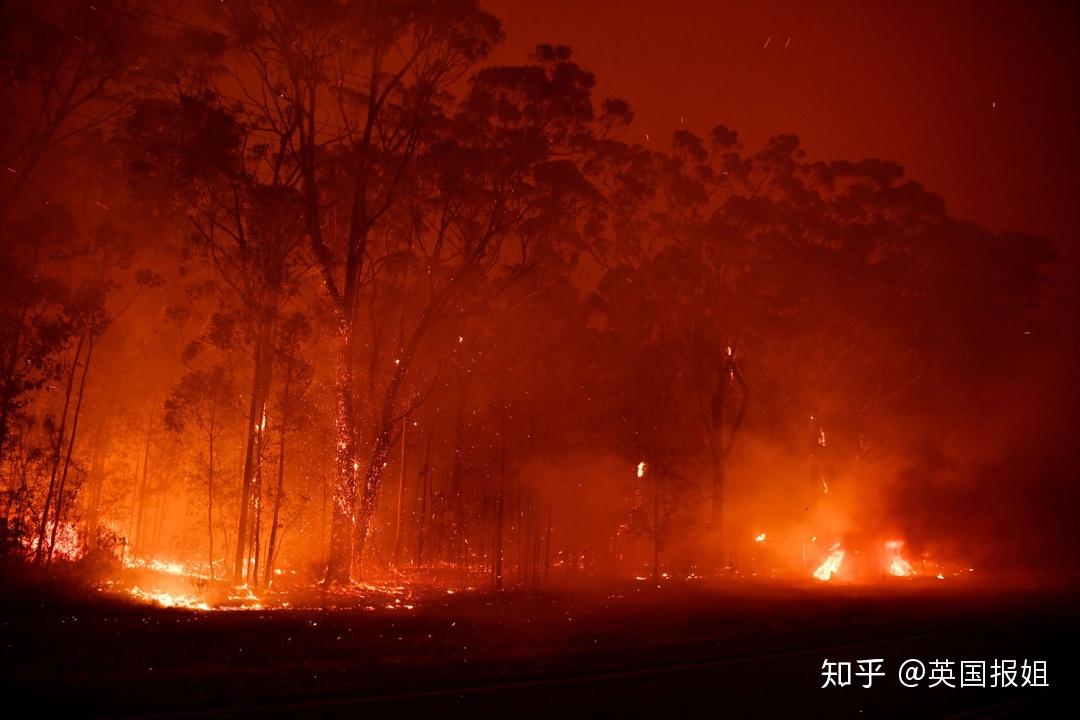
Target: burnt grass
column 687, row 646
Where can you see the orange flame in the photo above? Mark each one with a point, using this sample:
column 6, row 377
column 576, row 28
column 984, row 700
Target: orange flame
column 831, row 565
column 898, row 566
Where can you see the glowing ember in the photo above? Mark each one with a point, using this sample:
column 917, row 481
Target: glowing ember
column 831, row 565
column 760, row 538
column 898, row 566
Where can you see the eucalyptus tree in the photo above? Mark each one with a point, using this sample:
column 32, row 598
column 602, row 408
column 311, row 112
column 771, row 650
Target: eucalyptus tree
column 246, row 220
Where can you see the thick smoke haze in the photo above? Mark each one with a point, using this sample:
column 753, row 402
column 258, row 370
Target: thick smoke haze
column 422, row 308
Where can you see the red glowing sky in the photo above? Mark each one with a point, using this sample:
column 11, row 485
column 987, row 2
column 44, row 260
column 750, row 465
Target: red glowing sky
column 978, row 100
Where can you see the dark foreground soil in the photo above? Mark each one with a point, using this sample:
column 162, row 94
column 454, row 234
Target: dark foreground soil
column 684, row 650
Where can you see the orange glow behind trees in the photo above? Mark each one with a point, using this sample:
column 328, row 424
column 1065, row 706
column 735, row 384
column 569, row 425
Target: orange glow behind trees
column 278, row 253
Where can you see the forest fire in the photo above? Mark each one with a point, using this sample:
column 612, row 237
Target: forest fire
column 366, row 449
column 359, row 335
column 168, row 600
column 898, row 566
column 831, row 565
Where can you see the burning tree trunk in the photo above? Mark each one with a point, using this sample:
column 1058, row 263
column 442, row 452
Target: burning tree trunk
column 260, row 387
column 387, row 423
column 343, row 497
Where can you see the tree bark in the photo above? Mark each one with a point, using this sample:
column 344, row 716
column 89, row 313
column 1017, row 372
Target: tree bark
column 343, row 497
column 400, row 495
column 271, row 545
column 210, row 500
column 497, row 550
column 425, row 474
column 137, row 539
column 260, row 385
column 71, row 445
column 39, row 551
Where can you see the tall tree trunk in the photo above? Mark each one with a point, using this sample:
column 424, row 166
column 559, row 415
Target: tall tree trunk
column 137, row 540
column 369, row 495
column 547, row 544
column 71, row 445
column 260, row 386
column 97, row 482
column 459, row 527
column 400, row 495
column 257, row 492
column 271, row 545
column 497, row 549
column 380, row 453
column 425, row 484
column 210, row 499
column 162, row 505
column 381, row 447
column 656, row 530
column 716, row 456
column 39, row 551
column 343, row 498
column 12, row 351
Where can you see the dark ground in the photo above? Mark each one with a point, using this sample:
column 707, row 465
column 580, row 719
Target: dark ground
column 752, row 651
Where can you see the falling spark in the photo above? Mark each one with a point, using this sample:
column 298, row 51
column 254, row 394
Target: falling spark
column 760, row 538
column 641, row 469
column 788, row 42
column 767, row 41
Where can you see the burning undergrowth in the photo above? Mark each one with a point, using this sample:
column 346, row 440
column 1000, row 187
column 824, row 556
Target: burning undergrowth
column 171, row 584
